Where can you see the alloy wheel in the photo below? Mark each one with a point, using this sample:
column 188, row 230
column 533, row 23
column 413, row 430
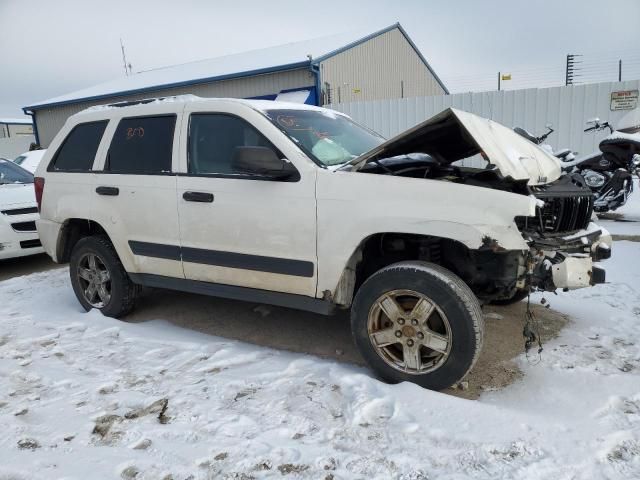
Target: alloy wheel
column 94, row 279
column 409, row 332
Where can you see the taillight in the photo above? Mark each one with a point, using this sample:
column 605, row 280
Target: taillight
column 38, row 185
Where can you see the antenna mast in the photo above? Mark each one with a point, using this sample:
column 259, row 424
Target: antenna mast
column 127, row 66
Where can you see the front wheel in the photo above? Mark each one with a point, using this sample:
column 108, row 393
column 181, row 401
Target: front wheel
column 99, row 279
column 418, row 322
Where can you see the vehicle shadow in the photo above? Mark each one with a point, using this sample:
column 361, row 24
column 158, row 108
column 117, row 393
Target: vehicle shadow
column 265, row 325
column 330, row 337
column 17, row 267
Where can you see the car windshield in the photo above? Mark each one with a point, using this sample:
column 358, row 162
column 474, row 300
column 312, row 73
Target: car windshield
column 12, row 173
column 329, row 138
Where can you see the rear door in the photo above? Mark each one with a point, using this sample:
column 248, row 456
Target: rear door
column 135, row 191
column 240, row 229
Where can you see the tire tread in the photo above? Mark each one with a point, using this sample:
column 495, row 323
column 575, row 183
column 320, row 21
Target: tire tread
column 130, row 291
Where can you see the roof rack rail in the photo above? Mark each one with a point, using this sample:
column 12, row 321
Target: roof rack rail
column 144, row 101
column 129, row 103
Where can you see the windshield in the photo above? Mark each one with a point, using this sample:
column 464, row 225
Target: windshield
column 11, row 173
column 329, row 138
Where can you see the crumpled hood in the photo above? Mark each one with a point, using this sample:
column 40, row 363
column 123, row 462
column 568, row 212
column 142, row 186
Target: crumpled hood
column 17, row 194
column 454, row 135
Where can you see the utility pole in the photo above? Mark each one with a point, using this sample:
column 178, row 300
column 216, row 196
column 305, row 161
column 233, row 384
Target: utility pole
column 499, row 75
column 620, row 70
column 570, row 74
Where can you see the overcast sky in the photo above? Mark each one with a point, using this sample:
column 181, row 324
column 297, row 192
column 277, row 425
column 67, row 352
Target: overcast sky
column 52, row 47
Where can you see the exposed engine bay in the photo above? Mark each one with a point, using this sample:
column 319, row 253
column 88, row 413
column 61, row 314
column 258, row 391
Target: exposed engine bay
column 423, row 165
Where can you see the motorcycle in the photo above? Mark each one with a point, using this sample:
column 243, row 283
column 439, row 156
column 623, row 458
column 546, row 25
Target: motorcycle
column 609, row 173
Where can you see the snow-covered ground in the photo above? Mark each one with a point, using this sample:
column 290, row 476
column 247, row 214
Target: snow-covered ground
column 74, row 388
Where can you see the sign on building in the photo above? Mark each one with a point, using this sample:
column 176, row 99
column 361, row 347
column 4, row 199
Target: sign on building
column 624, row 100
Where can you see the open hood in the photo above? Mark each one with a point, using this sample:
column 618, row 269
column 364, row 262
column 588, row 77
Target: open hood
column 454, row 135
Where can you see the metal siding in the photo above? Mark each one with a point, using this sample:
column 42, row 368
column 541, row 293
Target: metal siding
column 51, row 120
column 567, row 108
column 377, row 67
column 11, row 147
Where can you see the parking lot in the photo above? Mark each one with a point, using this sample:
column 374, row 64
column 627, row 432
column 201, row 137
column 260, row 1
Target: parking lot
column 63, row 369
column 304, row 332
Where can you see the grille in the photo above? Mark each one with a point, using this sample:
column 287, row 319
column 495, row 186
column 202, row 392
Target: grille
column 20, row 211
column 24, row 226
column 566, row 214
column 30, row 243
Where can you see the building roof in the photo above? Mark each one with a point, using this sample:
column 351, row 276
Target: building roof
column 266, row 60
column 16, row 121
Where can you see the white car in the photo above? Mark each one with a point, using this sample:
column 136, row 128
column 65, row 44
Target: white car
column 299, row 206
column 18, row 212
column 30, row 160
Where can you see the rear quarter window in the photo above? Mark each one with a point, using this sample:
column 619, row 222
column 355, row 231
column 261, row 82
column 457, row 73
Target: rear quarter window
column 78, row 150
column 142, row 145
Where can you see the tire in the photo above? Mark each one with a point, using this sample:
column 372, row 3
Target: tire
column 118, row 295
column 518, row 296
column 449, row 319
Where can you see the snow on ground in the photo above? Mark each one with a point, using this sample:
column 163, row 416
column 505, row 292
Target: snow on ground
column 75, row 387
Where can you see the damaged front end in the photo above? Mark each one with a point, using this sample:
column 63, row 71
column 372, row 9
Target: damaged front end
column 462, row 148
column 564, row 242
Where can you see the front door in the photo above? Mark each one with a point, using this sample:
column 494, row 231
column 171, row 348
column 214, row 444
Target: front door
column 240, row 229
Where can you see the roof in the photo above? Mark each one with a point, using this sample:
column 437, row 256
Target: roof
column 260, row 105
column 16, row 121
column 266, row 60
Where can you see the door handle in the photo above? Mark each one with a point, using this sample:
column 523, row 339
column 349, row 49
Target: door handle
column 202, row 197
column 110, row 191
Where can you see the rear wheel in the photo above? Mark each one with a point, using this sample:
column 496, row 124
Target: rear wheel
column 99, row 279
column 417, row 322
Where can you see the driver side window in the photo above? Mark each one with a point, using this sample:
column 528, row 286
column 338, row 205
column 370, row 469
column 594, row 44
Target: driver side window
column 213, row 140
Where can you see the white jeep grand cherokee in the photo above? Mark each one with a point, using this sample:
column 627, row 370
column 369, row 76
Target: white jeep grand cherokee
column 299, row 206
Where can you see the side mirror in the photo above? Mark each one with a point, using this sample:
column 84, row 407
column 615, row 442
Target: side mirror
column 261, row 161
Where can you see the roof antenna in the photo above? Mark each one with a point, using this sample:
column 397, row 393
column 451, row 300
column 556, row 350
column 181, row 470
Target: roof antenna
column 127, row 66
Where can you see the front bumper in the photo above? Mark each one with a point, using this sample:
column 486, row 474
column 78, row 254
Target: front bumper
column 568, row 262
column 17, row 237
column 574, row 272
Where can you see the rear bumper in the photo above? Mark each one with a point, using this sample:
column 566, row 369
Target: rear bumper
column 49, row 233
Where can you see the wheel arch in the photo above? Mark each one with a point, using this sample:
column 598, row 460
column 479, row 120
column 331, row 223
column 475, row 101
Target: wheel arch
column 379, row 250
column 73, row 229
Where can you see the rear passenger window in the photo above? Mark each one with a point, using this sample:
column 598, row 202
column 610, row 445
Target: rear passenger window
column 142, row 145
column 79, row 148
